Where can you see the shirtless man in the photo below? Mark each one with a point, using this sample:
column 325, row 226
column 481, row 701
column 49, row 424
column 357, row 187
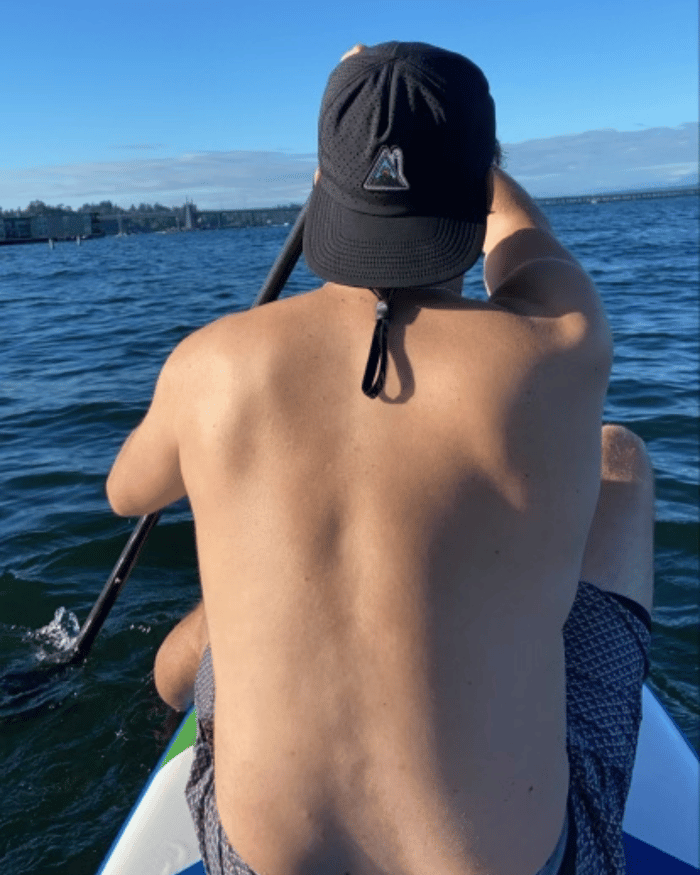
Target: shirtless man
column 410, row 678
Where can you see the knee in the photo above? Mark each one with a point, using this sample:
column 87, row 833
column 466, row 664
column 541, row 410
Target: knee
column 625, row 455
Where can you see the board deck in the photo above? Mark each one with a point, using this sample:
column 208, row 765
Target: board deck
column 661, row 828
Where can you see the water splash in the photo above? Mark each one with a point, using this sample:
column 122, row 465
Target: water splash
column 36, row 680
column 57, row 638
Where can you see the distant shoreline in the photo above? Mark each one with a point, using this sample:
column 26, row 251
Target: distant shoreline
column 127, row 223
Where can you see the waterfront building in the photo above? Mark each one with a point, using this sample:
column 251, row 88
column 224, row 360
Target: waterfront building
column 63, row 225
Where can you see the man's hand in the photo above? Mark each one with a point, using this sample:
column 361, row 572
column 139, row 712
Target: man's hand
column 353, row 51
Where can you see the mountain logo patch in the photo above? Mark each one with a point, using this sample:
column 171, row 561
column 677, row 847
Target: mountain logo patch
column 387, row 172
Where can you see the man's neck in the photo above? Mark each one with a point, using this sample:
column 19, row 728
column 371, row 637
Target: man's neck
column 453, row 286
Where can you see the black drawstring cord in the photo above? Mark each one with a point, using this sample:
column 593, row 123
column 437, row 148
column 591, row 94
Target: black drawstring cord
column 375, row 372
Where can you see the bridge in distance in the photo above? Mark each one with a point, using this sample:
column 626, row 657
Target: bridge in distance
column 643, row 194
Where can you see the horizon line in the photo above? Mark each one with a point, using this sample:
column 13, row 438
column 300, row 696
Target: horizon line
column 692, row 187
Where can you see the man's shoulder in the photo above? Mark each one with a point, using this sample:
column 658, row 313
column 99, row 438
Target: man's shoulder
column 237, row 337
column 557, row 298
column 222, row 330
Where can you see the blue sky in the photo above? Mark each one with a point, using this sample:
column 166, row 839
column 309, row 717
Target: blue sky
column 216, row 100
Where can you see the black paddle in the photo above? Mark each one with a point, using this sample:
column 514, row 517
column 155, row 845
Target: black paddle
column 271, row 288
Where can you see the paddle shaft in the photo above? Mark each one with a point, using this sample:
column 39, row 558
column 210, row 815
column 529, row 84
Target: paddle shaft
column 271, row 288
column 113, row 587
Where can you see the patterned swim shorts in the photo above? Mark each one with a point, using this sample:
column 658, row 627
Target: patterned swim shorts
column 217, row 854
column 606, row 644
column 607, row 639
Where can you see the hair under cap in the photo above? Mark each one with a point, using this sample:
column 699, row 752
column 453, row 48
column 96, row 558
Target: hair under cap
column 407, row 135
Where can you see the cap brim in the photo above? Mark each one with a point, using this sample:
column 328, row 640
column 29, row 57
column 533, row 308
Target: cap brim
column 352, row 248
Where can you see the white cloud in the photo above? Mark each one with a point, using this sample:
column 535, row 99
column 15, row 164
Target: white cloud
column 671, row 169
column 525, row 177
column 215, row 180
column 597, row 161
column 592, row 161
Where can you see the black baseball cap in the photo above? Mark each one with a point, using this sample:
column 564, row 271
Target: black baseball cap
column 407, row 135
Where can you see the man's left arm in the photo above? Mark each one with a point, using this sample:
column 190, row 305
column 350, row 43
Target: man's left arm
column 146, row 474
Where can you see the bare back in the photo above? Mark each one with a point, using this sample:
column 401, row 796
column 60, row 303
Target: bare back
column 385, row 581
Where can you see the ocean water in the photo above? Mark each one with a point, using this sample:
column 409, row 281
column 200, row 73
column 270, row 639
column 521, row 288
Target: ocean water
column 86, row 330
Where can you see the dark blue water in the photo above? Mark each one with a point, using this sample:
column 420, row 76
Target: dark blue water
column 86, row 330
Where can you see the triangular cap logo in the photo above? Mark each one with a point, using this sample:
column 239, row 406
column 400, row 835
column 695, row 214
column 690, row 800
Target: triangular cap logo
column 387, row 171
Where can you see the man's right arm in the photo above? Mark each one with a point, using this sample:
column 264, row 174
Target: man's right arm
column 529, row 272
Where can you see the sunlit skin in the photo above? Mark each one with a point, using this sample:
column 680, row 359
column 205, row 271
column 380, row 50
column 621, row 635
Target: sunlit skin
column 385, row 582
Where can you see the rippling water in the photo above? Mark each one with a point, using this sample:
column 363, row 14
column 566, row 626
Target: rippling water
column 87, row 330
